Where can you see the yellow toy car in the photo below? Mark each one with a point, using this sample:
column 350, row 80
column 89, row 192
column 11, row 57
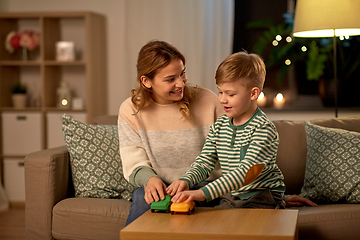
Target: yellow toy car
column 182, row 207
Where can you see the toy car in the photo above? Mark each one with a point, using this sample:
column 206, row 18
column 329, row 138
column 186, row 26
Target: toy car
column 161, row 205
column 183, row 207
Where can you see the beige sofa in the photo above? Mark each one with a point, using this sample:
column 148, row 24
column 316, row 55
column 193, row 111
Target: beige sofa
column 53, row 212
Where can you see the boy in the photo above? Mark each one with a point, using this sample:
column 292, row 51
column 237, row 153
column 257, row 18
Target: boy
column 243, row 140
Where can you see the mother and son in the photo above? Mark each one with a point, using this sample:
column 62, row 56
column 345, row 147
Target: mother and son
column 180, row 140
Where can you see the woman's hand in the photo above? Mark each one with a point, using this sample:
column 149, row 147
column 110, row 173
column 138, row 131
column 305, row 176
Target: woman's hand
column 154, row 189
column 297, row 201
column 192, row 195
column 177, row 186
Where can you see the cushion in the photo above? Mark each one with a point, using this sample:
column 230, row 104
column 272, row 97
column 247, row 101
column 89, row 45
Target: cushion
column 291, row 155
column 95, row 161
column 332, row 173
column 89, row 218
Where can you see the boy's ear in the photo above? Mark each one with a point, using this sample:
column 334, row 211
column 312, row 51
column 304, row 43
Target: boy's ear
column 145, row 81
column 255, row 92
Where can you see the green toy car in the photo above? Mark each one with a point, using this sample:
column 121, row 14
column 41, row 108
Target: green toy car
column 161, row 205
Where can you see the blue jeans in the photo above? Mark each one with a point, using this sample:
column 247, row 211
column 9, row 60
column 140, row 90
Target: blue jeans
column 139, row 206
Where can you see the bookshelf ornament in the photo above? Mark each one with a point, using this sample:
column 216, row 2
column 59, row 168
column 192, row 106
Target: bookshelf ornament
column 63, row 95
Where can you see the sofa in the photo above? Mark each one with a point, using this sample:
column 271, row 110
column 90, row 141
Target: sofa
column 52, row 211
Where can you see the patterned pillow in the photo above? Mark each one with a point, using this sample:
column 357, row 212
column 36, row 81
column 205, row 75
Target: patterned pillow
column 332, row 172
column 95, row 160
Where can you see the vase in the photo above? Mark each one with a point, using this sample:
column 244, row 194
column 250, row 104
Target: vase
column 19, row 100
column 25, row 54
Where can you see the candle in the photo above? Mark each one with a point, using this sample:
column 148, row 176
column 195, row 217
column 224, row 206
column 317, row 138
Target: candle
column 279, row 101
column 261, row 101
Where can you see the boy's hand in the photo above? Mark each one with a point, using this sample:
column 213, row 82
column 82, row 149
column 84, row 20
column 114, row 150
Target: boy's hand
column 176, row 187
column 192, row 195
column 154, row 189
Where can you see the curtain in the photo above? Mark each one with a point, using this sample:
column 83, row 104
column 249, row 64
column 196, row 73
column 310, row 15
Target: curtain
column 201, row 29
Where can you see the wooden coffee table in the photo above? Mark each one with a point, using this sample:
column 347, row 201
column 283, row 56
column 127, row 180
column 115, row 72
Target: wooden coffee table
column 213, row 223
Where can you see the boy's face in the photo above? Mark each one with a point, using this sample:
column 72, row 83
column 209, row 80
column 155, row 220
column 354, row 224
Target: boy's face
column 237, row 100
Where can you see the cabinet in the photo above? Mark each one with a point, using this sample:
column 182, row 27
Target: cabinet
column 38, row 125
column 22, row 133
column 14, row 179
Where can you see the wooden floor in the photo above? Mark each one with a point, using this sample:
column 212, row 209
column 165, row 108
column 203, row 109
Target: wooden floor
column 12, row 224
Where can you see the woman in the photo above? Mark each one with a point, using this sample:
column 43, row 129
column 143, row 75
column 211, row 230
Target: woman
column 163, row 126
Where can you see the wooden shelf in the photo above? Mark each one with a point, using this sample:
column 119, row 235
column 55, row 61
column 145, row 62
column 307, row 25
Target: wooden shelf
column 42, row 74
column 38, row 63
column 58, row 63
column 19, row 63
column 54, row 109
column 27, row 109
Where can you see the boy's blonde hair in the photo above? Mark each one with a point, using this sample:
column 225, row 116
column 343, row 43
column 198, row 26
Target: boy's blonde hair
column 249, row 68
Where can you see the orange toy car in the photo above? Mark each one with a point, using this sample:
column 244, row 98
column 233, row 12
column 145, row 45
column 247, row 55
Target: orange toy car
column 182, row 207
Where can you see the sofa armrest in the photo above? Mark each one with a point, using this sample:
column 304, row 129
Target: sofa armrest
column 47, row 181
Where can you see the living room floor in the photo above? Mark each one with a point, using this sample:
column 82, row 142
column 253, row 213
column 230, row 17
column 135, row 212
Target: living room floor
column 12, row 224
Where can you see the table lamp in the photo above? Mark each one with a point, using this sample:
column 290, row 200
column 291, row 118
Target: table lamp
column 327, row 18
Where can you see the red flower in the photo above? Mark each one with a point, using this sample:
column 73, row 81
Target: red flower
column 15, row 41
column 26, row 39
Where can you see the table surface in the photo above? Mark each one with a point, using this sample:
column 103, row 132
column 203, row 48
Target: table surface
column 213, row 223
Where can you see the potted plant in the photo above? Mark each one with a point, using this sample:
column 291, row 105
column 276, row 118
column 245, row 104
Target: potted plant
column 19, row 96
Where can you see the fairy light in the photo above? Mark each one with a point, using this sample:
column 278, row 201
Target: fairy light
column 275, row 43
column 304, row 48
column 287, row 62
column 278, row 38
column 288, row 39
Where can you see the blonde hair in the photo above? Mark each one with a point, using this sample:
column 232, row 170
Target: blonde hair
column 152, row 57
column 249, row 68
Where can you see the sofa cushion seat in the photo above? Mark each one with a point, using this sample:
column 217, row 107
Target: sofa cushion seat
column 329, row 221
column 89, row 218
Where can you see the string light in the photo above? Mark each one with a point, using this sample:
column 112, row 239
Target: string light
column 288, row 39
column 287, row 62
column 275, row 43
column 344, row 37
column 278, row 38
column 304, row 48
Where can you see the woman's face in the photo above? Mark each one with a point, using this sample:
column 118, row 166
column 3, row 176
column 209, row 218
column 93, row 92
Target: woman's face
column 168, row 84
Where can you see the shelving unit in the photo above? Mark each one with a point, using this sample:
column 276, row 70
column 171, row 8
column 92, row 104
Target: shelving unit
column 38, row 126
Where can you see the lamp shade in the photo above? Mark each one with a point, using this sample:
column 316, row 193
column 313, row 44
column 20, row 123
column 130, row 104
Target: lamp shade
column 323, row 18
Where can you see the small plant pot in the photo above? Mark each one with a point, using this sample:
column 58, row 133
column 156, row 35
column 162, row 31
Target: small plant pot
column 19, row 100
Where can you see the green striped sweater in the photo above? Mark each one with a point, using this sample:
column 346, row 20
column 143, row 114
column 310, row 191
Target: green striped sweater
column 238, row 148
